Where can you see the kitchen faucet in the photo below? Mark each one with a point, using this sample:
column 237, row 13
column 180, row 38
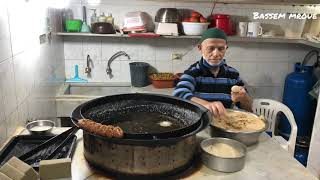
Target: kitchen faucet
column 88, row 69
column 113, row 57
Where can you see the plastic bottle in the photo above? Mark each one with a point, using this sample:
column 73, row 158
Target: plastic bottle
column 102, row 18
column 110, row 19
column 93, row 18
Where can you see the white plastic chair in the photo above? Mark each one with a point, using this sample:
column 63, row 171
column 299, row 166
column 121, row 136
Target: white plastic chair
column 269, row 109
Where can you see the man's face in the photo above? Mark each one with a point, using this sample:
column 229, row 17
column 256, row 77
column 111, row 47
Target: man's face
column 213, row 50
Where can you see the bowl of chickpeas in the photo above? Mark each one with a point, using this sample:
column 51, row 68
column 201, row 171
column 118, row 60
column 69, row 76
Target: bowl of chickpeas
column 163, row 80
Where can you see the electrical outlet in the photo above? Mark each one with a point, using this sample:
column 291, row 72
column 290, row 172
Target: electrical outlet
column 176, row 56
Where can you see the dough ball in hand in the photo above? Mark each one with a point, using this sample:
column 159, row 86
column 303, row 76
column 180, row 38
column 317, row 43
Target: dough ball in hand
column 236, row 89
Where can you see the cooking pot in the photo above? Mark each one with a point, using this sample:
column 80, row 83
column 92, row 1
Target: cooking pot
column 138, row 154
column 103, row 28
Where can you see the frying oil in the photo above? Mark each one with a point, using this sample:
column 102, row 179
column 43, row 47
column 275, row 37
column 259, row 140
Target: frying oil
column 146, row 122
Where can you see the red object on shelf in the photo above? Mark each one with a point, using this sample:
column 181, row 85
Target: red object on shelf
column 223, row 22
column 146, row 35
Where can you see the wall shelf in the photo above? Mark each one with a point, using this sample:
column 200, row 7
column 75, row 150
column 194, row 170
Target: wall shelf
column 262, row 2
column 230, row 38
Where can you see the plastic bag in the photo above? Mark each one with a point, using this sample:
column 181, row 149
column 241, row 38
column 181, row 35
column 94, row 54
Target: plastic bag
column 315, row 90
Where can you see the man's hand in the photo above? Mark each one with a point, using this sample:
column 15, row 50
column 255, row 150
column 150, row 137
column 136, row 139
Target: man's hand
column 238, row 94
column 216, row 108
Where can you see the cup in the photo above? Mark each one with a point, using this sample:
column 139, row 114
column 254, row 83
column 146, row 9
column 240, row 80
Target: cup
column 254, row 29
column 242, row 29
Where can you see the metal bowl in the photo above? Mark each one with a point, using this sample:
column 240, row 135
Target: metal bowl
column 40, row 126
column 168, row 15
column 247, row 138
column 223, row 164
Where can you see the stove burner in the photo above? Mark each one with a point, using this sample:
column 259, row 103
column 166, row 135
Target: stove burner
column 165, row 123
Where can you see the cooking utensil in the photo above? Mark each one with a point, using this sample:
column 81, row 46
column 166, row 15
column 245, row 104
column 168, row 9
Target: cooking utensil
column 224, row 164
column 21, row 144
column 84, row 27
column 168, row 15
column 140, row 156
column 50, row 142
column 247, row 138
column 141, row 115
column 40, row 127
column 103, row 28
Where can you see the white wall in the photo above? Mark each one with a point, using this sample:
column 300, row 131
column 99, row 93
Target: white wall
column 29, row 72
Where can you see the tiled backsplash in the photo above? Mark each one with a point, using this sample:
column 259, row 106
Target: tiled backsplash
column 29, row 72
column 263, row 66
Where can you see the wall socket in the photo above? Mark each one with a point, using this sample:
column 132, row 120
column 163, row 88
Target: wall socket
column 176, row 56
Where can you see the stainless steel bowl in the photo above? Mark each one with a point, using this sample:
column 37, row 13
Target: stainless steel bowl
column 168, row 15
column 247, row 138
column 40, row 126
column 230, row 164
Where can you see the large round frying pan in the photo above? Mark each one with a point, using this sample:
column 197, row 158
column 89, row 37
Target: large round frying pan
column 137, row 111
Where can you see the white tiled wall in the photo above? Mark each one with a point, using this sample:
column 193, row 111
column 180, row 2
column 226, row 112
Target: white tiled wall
column 29, row 72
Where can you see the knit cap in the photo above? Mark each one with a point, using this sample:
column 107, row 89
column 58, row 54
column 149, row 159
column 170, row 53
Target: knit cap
column 213, row 33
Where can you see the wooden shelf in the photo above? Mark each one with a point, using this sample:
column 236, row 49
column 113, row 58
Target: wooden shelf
column 230, row 38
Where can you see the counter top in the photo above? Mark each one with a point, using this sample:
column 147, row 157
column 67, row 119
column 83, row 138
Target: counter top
column 264, row 161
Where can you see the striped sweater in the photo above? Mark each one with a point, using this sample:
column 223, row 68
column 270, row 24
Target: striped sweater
column 198, row 81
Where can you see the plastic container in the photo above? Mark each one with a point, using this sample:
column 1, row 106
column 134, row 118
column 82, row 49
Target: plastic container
column 139, row 74
column 102, row 18
column 73, row 25
column 194, row 28
column 110, row 19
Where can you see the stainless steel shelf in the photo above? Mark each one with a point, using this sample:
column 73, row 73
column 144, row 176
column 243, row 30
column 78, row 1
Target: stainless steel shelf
column 230, row 38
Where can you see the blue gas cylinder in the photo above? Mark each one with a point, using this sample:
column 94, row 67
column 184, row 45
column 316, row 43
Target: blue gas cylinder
column 296, row 97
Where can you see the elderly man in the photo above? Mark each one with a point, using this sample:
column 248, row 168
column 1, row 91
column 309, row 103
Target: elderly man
column 210, row 80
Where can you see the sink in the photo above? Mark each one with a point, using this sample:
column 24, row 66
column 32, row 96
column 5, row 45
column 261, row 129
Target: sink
column 72, row 95
column 94, row 90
